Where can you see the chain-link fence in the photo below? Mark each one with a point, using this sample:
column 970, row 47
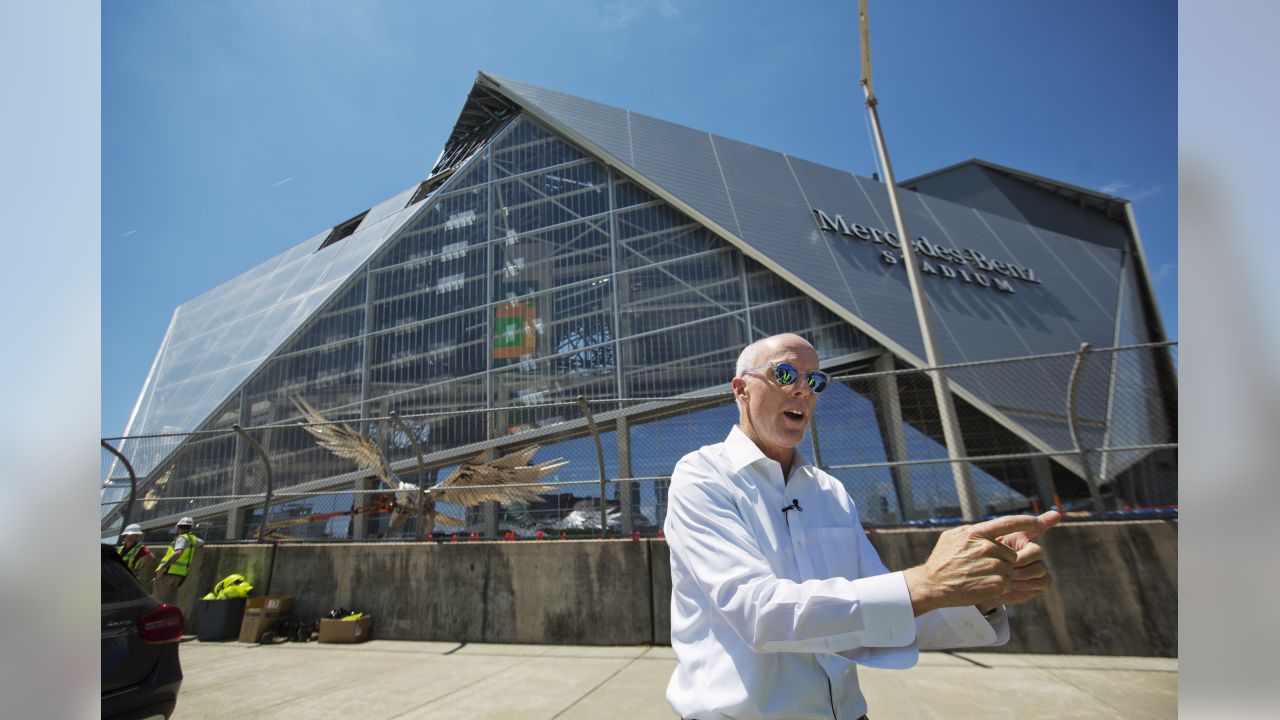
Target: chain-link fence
column 1092, row 432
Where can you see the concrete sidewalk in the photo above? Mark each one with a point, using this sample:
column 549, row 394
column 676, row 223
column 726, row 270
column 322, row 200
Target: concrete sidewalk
column 384, row 679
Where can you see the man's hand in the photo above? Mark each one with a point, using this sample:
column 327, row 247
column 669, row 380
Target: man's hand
column 975, row 564
column 1030, row 576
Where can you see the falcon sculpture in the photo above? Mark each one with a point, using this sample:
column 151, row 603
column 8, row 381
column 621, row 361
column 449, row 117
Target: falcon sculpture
column 510, row 478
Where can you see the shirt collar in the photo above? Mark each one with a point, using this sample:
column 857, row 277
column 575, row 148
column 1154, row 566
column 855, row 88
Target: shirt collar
column 743, row 452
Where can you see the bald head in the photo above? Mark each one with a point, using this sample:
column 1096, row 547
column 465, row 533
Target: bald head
column 761, row 351
column 773, row 415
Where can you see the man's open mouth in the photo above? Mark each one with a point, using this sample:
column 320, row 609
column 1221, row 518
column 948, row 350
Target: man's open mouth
column 794, row 414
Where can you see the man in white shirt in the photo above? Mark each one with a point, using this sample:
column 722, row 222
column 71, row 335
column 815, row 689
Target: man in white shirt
column 776, row 592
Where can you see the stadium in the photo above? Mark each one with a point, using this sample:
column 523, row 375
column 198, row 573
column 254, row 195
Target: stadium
column 582, row 278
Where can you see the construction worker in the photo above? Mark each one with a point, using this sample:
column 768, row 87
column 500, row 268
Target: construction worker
column 176, row 563
column 137, row 557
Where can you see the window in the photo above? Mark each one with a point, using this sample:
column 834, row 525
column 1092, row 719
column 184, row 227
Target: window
column 342, row 231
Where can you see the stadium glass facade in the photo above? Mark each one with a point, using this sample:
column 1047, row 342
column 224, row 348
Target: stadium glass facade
column 525, row 273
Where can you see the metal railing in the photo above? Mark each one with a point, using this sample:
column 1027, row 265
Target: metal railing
column 1093, row 432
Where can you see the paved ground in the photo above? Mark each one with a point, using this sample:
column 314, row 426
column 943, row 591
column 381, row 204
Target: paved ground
column 384, row 679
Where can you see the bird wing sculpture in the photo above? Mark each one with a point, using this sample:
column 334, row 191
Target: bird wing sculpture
column 477, row 481
column 152, row 497
column 345, row 442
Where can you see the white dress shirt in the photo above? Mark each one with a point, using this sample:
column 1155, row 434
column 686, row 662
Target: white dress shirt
column 772, row 610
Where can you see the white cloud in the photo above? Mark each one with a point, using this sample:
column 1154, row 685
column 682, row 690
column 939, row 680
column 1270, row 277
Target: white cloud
column 1144, row 193
column 1127, row 191
column 619, row 15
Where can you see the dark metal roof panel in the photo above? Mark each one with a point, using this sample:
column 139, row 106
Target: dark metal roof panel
column 603, row 125
column 766, row 202
column 683, row 161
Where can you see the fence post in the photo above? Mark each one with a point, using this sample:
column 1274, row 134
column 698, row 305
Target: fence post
column 422, row 475
column 1072, row 420
column 595, row 434
column 813, row 435
column 628, row 492
column 133, row 484
column 266, row 464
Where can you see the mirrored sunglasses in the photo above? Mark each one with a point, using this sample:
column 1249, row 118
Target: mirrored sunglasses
column 786, row 374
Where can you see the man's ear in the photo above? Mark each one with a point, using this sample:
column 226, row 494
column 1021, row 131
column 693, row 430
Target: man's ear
column 739, row 388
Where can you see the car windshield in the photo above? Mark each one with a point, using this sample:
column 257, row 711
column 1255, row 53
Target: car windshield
column 118, row 584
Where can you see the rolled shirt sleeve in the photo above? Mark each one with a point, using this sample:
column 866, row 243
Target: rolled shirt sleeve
column 936, row 630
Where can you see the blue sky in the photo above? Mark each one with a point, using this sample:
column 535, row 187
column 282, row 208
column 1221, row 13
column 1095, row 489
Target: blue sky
column 232, row 131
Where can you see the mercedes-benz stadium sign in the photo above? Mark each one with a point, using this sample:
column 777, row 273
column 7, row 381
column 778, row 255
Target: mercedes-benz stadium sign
column 973, row 266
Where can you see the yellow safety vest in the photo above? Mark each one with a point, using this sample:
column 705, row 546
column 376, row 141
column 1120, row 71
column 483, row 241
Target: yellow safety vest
column 133, row 556
column 183, row 563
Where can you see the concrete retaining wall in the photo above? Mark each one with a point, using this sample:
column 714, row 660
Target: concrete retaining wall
column 593, row 593
column 1115, row 591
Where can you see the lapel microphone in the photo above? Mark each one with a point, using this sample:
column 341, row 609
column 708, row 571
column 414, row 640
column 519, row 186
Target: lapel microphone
column 795, row 505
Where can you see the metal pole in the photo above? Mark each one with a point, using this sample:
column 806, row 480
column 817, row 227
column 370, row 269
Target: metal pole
column 133, row 485
column 941, row 388
column 813, row 436
column 271, row 567
column 595, row 434
column 266, row 464
column 422, row 474
column 1072, row 389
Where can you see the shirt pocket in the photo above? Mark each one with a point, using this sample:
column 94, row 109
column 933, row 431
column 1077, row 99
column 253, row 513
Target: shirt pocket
column 834, row 552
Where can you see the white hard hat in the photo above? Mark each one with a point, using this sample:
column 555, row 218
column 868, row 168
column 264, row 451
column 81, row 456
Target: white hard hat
column 187, row 521
column 133, row 529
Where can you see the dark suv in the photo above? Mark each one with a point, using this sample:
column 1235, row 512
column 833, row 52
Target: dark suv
column 140, row 670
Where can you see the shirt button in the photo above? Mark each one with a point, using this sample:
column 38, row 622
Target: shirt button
column 968, row 624
column 982, row 637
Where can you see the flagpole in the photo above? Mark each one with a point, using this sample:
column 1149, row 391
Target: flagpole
column 969, row 507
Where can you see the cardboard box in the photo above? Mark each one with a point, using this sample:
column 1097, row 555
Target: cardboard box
column 346, row 631
column 262, row 614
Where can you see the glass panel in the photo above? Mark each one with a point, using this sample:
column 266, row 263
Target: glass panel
column 527, row 147
column 387, row 207
column 291, row 279
column 685, row 359
column 525, row 264
column 413, row 292
column 765, row 286
column 181, row 360
column 276, row 321
column 476, row 174
column 426, row 353
column 627, row 193
column 454, row 220
column 681, row 291
column 540, row 200
column 447, row 414
column 653, row 234
column 341, row 320
column 830, row 336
